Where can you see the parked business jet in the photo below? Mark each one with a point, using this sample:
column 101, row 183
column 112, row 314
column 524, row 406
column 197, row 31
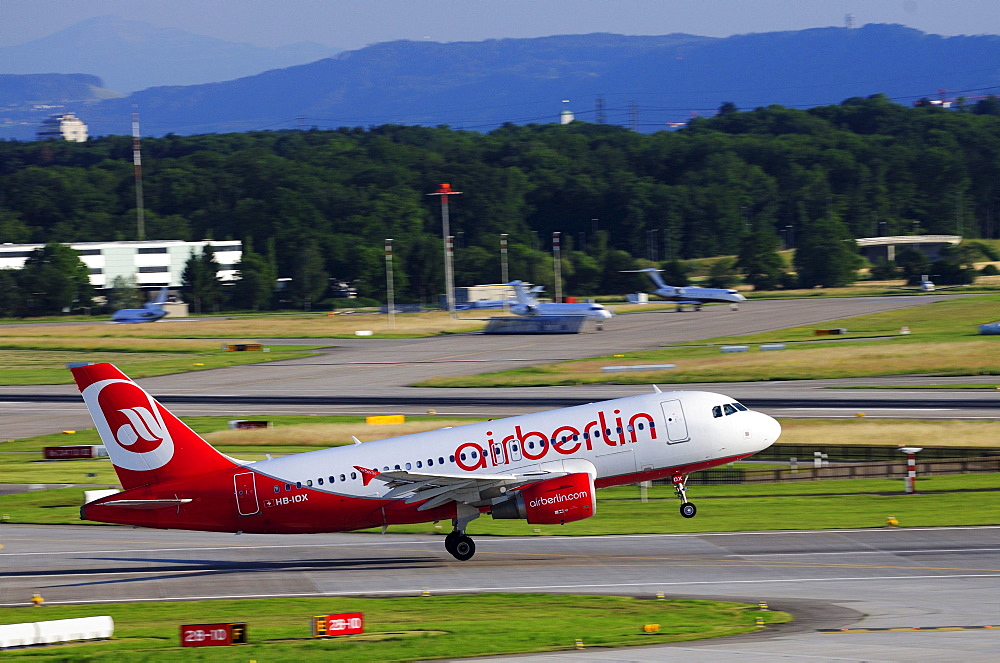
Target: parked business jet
column 542, row 468
column 150, row 311
column 527, row 304
column 693, row 295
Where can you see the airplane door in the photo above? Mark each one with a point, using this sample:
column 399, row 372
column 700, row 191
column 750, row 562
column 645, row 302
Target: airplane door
column 673, row 414
column 514, row 449
column 245, row 486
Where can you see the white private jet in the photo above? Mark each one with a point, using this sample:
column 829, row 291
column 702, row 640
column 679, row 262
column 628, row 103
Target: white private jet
column 150, row 311
column 693, row 295
column 528, row 305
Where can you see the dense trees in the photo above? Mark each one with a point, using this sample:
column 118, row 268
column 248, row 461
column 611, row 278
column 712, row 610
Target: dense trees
column 314, row 205
column 54, row 280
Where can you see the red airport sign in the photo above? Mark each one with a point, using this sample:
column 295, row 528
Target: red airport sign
column 211, row 635
column 347, row 623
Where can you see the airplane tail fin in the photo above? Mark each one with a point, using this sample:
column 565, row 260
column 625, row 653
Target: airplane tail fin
column 524, row 299
column 161, row 298
column 652, row 273
column 147, row 444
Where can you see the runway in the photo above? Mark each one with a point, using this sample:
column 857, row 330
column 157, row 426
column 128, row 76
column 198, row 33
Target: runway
column 847, row 579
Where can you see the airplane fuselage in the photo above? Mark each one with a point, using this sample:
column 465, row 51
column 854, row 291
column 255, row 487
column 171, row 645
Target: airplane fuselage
column 692, row 294
column 589, row 311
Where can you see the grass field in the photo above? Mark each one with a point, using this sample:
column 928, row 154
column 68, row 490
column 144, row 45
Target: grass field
column 396, row 629
column 249, row 327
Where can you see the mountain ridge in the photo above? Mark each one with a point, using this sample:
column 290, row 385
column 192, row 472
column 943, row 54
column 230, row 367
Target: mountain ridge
column 644, row 82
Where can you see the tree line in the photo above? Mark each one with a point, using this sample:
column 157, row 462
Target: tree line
column 314, row 205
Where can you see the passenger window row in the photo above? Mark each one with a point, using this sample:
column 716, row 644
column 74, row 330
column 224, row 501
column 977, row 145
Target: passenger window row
column 431, row 462
column 333, row 478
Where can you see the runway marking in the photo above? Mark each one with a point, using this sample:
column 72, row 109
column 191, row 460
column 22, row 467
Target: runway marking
column 553, row 539
column 416, row 590
column 872, row 552
column 620, row 561
column 908, row 629
column 881, row 409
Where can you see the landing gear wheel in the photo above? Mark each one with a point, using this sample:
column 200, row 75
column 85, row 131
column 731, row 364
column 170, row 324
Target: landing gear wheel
column 688, row 510
column 462, row 547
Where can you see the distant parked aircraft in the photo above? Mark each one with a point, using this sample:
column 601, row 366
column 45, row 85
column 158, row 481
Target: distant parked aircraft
column 528, row 305
column 150, row 311
column 693, row 295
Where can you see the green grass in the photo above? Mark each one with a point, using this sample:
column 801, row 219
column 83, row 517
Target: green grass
column 396, row 629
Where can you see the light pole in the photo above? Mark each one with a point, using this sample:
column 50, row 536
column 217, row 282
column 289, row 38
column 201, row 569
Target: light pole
column 391, row 309
column 557, row 265
column 504, row 277
column 449, row 278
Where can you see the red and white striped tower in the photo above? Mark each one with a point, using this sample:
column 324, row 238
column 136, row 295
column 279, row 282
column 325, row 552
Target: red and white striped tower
column 140, row 221
column 911, row 467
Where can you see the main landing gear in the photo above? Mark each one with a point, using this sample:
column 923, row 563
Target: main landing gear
column 458, row 543
column 688, row 510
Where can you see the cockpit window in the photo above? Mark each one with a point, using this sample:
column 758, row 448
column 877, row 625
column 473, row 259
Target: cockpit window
column 740, row 406
column 717, row 411
column 729, row 409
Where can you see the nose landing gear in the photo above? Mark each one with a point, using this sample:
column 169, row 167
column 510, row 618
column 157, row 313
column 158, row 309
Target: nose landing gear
column 688, row 510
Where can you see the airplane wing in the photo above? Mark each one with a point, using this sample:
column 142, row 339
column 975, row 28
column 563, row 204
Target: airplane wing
column 437, row 489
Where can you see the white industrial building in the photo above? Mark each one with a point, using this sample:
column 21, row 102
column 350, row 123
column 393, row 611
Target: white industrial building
column 153, row 263
column 65, row 126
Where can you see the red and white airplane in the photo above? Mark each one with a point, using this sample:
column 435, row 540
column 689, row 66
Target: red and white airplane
column 543, row 468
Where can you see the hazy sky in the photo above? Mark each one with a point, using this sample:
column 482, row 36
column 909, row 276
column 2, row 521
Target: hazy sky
column 351, row 24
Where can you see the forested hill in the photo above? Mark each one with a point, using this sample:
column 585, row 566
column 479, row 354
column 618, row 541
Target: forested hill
column 330, row 198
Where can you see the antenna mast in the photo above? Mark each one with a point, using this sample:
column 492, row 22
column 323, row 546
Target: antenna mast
column 137, row 162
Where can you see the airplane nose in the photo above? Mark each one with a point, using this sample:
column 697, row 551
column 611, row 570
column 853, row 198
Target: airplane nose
column 767, row 430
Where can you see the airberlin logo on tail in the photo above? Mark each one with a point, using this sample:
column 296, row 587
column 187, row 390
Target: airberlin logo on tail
column 130, row 425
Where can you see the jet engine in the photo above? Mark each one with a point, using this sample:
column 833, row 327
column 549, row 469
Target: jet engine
column 553, row 501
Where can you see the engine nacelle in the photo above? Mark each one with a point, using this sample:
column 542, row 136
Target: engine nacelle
column 551, row 502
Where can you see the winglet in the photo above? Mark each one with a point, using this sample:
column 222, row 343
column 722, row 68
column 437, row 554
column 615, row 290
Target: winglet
column 356, row 440
column 657, row 389
column 366, row 474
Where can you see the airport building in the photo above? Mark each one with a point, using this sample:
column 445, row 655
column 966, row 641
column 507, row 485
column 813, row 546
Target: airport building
column 153, row 264
column 66, row 126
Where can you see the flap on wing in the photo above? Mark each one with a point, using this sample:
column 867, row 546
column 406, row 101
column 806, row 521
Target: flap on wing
column 472, row 489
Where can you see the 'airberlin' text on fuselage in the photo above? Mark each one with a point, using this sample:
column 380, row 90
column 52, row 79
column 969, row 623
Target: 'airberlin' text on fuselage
column 565, row 440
